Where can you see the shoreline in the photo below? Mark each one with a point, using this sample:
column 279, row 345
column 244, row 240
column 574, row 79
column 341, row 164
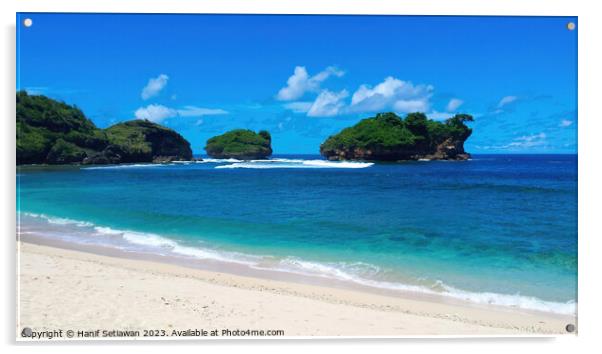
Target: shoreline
column 65, row 233
column 300, row 308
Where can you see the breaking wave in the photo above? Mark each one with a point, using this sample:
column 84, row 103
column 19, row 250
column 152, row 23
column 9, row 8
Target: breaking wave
column 253, row 164
column 295, row 163
column 122, row 166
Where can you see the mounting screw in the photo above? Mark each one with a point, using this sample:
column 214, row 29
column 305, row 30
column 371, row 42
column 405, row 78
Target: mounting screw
column 570, row 26
column 26, row 332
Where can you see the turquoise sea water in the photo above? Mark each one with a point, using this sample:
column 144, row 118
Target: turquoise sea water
column 497, row 229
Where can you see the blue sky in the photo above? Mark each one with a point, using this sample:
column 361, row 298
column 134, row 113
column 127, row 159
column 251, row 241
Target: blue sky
column 304, row 78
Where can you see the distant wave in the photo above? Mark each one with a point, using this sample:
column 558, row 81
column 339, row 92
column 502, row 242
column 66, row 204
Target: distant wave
column 135, row 165
column 210, row 160
column 253, row 164
column 172, row 163
column 354, row 272
column 295, row 163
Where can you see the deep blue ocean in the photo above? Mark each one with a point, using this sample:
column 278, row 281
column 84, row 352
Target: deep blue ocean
column 496, row 229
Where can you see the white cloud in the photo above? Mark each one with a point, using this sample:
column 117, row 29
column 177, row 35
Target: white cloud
column 300, row 82
column 408, row 106
column 521, row 143
column 402, row 96
column 436, row 115
column 193, row 111
column 299, row 106
column 296, row 85
column 566, row 123
column 328, row 104
column 506, row 100
column 157, row 113
column 391, row 94
column 154, row 86
column 527, row 141
column 454, row 104
column 36, row 90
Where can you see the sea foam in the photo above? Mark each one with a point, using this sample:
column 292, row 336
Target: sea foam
column 295, row 163
column 253, row 164
column 123, row 166
column 59, row 221
column 210, row 160
column 359, row 273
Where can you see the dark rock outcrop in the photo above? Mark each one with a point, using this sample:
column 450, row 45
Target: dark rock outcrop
column 450, row 149
column 387, row 137
column 112, row 154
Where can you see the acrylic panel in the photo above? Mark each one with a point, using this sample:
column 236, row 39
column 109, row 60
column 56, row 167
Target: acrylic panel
column 202, row 176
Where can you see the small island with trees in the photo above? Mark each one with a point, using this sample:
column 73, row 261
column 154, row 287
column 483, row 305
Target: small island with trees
column 387, row 137
column 241, row 144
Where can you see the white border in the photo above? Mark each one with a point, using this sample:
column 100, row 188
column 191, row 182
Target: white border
column 424, row 7
column 589, row 163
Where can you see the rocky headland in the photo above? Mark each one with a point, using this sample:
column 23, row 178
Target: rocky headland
column 53, row 132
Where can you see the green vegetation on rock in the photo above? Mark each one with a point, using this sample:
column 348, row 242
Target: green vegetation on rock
column 387, row 137
column 240, row 144
column 52, row 132
column 46, row 128
column 64, row 152
column 144, row 141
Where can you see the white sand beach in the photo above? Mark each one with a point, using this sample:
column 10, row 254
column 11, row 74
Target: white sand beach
column 71, row 289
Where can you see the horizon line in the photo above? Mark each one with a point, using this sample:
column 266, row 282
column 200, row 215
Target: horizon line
column 491, row 153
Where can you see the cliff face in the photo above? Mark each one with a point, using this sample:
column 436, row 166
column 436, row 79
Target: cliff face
column 52, row 132
column 387, row 137
column 450, row 149
column 240, row 144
